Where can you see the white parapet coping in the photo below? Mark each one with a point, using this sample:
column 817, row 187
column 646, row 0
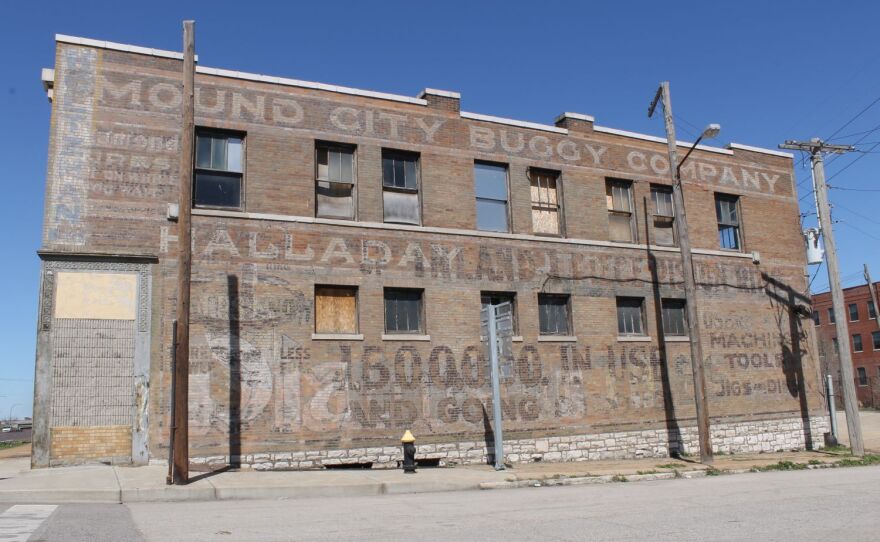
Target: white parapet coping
column 576, row 116
column 308, row 84
column 512, row 122
column 443, row 93
column 120, row 47
column 760, row 150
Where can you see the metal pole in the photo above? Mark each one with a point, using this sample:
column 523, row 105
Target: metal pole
column 496, row 390
column 690, row 285
column 847, row 384
column 180, row 451
column 832, row 408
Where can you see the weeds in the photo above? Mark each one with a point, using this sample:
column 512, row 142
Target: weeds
column 619, row 478
column 652, row 471
column 670, row 465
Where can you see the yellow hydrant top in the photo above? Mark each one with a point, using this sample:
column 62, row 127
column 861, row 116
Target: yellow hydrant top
column 407, row 437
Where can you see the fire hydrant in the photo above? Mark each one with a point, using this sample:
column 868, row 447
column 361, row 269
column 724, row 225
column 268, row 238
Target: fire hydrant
column 409, row 452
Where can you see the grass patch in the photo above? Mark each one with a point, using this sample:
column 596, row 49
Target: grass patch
column 670, row 465
column 814, row 462
column 868, row 459
column 839, row 449
column 782, row 465
column 11, row 444
column 712, row 471
column 652, row 471
column 619, row 478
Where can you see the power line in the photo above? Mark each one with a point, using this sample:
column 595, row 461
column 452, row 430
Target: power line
column 850, row 121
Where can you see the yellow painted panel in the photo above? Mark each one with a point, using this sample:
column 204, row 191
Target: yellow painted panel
column 105, row 296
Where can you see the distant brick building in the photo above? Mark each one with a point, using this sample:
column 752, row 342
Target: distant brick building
column 861, row 319
column 344, row 243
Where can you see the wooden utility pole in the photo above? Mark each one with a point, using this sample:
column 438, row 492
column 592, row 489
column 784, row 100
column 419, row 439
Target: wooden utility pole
column 873, row 295
column 180, row 451
column 690, row 283
column 816, row 147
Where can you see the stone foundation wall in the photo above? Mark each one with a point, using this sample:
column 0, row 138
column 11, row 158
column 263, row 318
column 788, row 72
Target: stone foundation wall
column 731, row 438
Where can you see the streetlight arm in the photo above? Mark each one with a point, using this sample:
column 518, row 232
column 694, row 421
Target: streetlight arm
column 694, row 146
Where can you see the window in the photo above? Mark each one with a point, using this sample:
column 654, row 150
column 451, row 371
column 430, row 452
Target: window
column 674, row 317
column 491, row 189
column 875, row 338
column 664, row 216
column 816, row 318
column 727, row 212
column 497, row 298
column 831, row 319
column 335, row 181
column 836, row 348
column 545, row 202
column 872, row 311
column 621, row 226
column 403, row 310
column 857, row 342
column 630, row 316
column 554, row 314
column 218, row 171
column 336, row 309
column 863, row 376
column 400, row 187
column 853, row 312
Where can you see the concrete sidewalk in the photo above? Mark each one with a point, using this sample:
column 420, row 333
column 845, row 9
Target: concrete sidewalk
column 115, row 484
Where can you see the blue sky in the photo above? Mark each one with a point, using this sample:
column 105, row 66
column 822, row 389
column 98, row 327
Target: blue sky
column 766, row 71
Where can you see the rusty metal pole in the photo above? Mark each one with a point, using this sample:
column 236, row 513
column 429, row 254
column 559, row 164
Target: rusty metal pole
column 180, row 451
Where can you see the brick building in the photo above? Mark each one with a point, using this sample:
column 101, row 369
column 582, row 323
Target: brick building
column 344, row 243
column 861, row 321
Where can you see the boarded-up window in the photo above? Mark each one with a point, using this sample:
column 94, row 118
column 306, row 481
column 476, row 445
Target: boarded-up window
column 335, row 309
column 545, row 202
column 664, row 216
column 403, row 310
column 400, row 187
column 727, row 212
column 630, row 316
column 218, row 171
column 618, row 195
column 674, row 317
column 554, row 314
column 335, row 181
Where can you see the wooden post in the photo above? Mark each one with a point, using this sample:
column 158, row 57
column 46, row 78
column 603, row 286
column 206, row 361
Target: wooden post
column 180, row 450
column 690, row 283
column 873, row 295
column 847, row 384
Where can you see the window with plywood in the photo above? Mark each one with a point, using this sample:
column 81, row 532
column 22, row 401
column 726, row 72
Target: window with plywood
column 336, row 309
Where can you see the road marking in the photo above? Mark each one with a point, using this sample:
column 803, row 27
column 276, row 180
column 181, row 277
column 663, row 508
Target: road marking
column 19, row 522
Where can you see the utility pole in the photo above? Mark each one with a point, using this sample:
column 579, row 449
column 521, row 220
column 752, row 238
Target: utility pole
column 816, row 147
column 873, row 295
column 690, row 284
column 180, row 451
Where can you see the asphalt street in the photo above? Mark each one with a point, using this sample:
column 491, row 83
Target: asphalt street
column 801, row 505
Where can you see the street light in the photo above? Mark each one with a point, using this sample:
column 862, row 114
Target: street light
column 11, row 409
column 690, row 283
column 709, row 132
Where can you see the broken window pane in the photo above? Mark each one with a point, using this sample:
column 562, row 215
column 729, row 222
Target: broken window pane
column 334, row 200
column 553, row 314
column 403, row 310
column 674, row 317
column 629, row 316
column 217, row 189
